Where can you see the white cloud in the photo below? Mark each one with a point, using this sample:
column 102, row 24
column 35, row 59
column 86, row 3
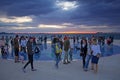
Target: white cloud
column 21, row 28
column 67, row 24
column 91, row 27
column 51, row 26
column 16, row 19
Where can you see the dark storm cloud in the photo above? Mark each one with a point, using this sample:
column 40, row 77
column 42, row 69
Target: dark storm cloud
column 101, row 12
column 89, row 12
column 27, row 7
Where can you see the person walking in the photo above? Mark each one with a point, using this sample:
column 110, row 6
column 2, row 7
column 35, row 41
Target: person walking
column 30, row 54
column 58, row 52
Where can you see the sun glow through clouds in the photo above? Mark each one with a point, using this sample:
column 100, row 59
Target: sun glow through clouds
column 65, row 5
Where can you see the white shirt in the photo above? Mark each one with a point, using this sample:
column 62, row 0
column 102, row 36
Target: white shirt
column 95, row 49
column 89, row 49
column 23, row 43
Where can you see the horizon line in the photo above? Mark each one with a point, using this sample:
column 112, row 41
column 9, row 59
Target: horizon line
column 58, row 32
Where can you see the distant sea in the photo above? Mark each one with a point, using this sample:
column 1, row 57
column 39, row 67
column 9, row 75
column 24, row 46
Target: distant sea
column 106, row 35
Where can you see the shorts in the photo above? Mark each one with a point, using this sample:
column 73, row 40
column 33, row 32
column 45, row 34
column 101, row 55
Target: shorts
column 95, row 59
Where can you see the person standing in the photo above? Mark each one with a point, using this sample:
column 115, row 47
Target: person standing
column 45, row 39
column 66, row 49
column 12, row 47
column 45, row 42
column 83, row 50
column 89, row 55
column 2, row 45
column 23, row 43
column 71, row 50
column 7, row 41
column 73, row 39
column 61, row 43
column 16, row 48
column 30, row 54
column 96, row 54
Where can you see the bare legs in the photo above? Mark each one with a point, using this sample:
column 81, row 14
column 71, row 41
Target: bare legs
column 94, row 67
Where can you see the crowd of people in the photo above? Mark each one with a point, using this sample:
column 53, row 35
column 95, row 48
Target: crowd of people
column 90, row 49
column 87, row 48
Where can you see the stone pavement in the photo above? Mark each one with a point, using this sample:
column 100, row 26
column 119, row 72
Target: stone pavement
column 109, row 69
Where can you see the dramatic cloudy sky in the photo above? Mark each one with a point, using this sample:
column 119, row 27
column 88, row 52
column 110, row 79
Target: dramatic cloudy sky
column 59, row 15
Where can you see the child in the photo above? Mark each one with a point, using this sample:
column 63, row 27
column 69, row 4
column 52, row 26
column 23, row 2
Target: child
column 96, row 54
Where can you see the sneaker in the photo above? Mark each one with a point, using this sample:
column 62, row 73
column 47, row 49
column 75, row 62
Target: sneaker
column 65, row 63
column 86, row 69
column 23, row 70
column 92, row 68
column 34, row 70
column 17, row 61
column 56, row 66
column 68, row 62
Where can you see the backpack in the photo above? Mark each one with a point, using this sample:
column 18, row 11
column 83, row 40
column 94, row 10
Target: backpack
column 57, row 49
column 36, row 50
